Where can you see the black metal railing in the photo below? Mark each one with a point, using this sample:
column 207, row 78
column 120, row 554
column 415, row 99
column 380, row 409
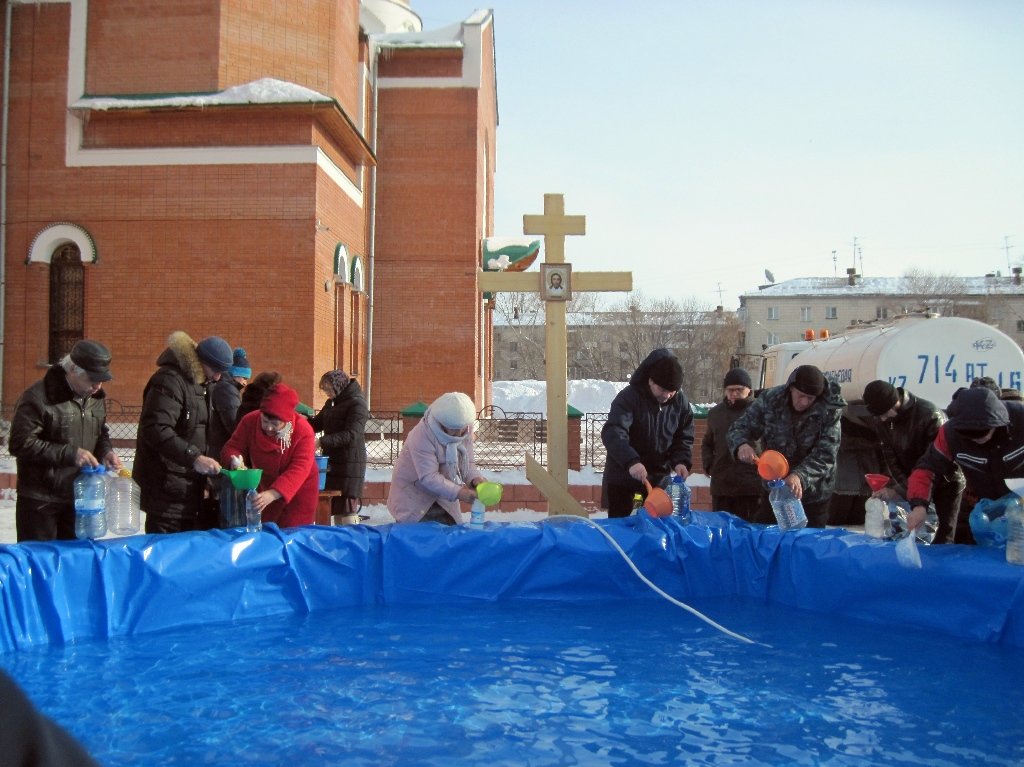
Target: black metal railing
column 502, row 438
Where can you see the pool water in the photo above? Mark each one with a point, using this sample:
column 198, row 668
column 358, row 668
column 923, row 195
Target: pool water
column 520, row 683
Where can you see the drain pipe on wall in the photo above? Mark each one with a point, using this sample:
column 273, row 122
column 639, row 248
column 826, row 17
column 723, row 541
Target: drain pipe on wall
column 372, row 244
column 3, row 188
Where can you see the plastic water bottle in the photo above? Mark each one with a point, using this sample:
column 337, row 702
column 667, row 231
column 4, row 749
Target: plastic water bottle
column 679, row 491
column 1015, row 533
column 876, row 512
column 253, row 522
column 789, row 512
column 123, row 513
column 90, row 503
column 476, row 514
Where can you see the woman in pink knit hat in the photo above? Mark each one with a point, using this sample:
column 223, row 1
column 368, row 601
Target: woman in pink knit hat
column 275, row 439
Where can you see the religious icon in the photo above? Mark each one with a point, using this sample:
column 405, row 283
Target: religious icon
column 556, row 282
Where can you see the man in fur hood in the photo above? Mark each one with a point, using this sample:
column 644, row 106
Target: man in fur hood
column 171, row 465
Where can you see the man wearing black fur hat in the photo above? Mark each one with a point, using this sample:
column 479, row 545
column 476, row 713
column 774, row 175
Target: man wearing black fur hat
column 984, row 436
column 799, row 419
column 735, row 486
column 649, row 432
column 906, row 425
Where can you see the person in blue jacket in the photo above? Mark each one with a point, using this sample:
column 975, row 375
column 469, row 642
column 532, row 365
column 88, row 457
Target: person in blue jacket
column 649, row 432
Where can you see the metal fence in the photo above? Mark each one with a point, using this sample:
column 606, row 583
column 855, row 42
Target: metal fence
column 502, row 438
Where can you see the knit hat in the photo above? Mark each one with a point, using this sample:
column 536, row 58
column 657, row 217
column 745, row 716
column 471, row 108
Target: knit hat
column 453, row 410
column 880, row 397
column 807, row 379
column 94, row 358
column 215, row 352
column 240, row 367
column 279, row 402
column 987, row 382
column 737, row 377
column 666, row 372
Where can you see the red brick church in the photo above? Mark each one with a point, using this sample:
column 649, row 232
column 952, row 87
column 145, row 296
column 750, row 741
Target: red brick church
column 310, row 179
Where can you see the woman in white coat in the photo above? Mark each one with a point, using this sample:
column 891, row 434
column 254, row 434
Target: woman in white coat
column 435, row 469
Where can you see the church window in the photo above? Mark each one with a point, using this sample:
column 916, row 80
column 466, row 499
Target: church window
column 67, row 301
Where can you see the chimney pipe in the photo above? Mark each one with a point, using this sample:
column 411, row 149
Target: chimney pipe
column 851, row 276
column 1016, row 275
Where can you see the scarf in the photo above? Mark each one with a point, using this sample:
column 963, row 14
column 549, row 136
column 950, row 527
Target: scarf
column 337, row 380
column 456, row 456
column 284, row 437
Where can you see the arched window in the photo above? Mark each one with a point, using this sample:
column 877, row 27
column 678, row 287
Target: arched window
column 67, row 300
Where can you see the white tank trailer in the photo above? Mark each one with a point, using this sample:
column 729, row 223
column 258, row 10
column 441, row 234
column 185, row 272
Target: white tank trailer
column 929, row 355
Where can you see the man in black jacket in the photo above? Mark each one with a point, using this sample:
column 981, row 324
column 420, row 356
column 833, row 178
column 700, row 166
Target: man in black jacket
column 735, row 486
column 59, row 426
column 906, row 426
column 649, row 432
column 171, row 461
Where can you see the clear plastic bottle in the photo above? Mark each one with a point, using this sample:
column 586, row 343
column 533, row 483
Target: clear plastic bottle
column 90, row 503
column 876, row 513
column 1015, row 532
column 123, row 514
column 680, row 494
column 789, row 511
column 476, row 514
column 253, row 522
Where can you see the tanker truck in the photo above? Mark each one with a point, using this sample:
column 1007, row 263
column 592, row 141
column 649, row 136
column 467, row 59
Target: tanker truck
column 930, row 355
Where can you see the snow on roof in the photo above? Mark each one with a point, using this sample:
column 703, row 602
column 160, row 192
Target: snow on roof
column 264, row 91
column 445, row 37
column 835, row 286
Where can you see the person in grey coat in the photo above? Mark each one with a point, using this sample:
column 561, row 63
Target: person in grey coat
column 59, row 426
column 799, row 419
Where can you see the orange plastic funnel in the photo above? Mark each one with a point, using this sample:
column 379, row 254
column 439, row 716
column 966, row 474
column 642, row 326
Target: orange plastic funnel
column 772, row 465
column 658, row 502
column 876, row 481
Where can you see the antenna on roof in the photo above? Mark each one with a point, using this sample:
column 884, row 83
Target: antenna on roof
column 769, row 276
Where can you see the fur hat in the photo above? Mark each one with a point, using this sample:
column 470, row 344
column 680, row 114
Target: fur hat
column 216, row 353
column 94, row 358
column 279, row 402
column 240, row 367
column 807, row 379
column 880, row 397
column 453, row 410
column 737, row 377
column 666, row 372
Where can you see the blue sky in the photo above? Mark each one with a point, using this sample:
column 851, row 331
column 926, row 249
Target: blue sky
column 708, row 141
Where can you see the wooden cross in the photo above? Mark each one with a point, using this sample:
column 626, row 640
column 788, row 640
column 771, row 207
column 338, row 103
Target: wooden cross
column 555, row 226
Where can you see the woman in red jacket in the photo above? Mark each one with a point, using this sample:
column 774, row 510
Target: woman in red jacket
column 275, row 439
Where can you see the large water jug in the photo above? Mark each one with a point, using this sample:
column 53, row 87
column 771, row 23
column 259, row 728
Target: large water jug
column 90, row 503
column 124, row 517
column 789, row 512
column 1015, row 532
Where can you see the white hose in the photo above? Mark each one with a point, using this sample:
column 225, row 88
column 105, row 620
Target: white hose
column 646, row 580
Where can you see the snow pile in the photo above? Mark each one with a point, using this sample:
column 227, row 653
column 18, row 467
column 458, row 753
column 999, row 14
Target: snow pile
column 586, row 395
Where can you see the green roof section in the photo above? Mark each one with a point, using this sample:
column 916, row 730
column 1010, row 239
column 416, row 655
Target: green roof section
column 416, row 408
column 572, row 412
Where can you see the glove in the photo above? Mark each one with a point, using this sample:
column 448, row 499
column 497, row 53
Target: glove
column 304, row 409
